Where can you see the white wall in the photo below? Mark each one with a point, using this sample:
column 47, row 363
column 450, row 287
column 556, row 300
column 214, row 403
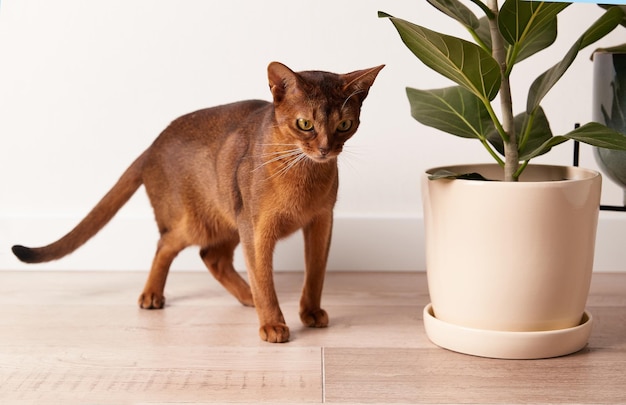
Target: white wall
column 86, row 85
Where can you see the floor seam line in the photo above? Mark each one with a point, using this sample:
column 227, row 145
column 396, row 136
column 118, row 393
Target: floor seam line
column 323, row 376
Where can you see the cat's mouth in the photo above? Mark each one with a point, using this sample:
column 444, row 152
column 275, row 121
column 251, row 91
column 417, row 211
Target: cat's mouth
column 321, row 157
column 320, row 154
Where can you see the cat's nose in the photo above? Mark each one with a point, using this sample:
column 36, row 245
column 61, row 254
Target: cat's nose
column 323, row 151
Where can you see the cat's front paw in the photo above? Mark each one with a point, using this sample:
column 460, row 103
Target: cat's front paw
column 274, row 333
column 148, row 300
column 314, row 318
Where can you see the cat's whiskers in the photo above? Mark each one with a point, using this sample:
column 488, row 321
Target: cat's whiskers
column 285, row 157
column 278, row 156
column 294, row 147
column 278, row 153
column 290, row 164
column 356, row 149
column 346, row 161
column 350, row 155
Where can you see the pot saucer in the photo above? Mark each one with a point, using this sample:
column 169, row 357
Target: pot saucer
column 507, row 345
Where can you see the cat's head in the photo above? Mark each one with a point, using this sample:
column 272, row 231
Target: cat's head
column 318, row 111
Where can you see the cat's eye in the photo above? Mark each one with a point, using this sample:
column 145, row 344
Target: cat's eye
column 344, row 126
column 304, row 124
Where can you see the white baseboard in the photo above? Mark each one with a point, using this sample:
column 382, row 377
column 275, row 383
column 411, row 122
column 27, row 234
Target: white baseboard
column 359, row 243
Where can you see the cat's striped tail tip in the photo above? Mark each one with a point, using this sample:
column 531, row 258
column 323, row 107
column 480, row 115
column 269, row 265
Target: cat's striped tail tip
column 25, row 254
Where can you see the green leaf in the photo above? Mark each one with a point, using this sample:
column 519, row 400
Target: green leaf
column 458, row 11
column 546, row 146
column 599, row 135
column 461, row 13
column 592, row 133
column 605, row 24
column 540, row 87
column 484, row 7
column 461, row 61
column 483, row 32
column 453, row 109
column 540, row 132
column 528, row 26
column 607, row 6
column 447, row 174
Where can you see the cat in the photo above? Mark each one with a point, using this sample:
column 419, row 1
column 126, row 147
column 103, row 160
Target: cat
column 251, row 172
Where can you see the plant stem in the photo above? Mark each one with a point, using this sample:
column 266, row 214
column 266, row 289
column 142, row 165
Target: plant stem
column 521, row 169
column 493, row 153
column 511, row 161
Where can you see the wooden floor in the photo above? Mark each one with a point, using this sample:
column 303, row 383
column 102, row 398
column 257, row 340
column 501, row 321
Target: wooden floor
column 78, row 338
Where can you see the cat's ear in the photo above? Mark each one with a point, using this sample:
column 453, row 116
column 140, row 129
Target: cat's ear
column 360, row 81
column 281, row 80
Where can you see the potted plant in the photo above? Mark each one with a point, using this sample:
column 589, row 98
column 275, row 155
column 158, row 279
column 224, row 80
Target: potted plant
column 609, row 108
column 509, row 261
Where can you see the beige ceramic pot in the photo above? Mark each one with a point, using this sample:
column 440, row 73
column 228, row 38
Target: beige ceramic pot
column 510, row 257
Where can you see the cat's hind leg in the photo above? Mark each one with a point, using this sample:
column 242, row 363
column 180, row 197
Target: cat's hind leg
column 168, row 248
column 219, row 260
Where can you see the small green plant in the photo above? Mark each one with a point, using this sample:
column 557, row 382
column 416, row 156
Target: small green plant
column 481, row 69
column 616, row 118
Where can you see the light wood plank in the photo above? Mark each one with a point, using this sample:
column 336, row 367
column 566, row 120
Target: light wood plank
column 69, row 338
column 78, row 337
column 417, row 376
column 607, row 289
column 66, row 374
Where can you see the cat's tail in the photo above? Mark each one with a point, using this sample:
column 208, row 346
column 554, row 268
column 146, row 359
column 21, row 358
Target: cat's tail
column 99, row 216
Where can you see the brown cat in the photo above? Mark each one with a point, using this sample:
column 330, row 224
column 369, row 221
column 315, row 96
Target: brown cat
column 251, row 171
